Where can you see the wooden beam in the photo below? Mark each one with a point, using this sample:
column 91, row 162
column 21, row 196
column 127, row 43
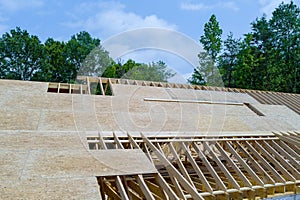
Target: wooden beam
column 121, row 188
column 117, row 141
column 133, row 195
column 132, row 141
column 265, row 163
column 173, row 171
column 275, row 162
column 285, row 154
column 180, row 164
column 222, row 167
column 177, row 187
column 102, row 189
column 210, row 168
column 156, row 190
column 194, row 101
column 101, row 87
column 101, row 141
column 290, row 150
column 233, row 165
column 161, row 181
column 196, row 168
column 144, row 187
column 88, row 85
column 244, row 164
column 148, row 153
column 254, row 162
column 58, row 88
column 288, row 140
column 136, row 188
column 110, row 86
column 111, row 192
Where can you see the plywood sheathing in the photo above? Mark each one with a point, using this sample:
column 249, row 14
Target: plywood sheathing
column 50, row 188
column 127, row 111
column 43, row 147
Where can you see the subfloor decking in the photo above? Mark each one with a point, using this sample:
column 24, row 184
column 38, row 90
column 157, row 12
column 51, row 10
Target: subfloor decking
column 219, row 167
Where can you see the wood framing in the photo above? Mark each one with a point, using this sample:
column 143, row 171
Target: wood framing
column 199, row 168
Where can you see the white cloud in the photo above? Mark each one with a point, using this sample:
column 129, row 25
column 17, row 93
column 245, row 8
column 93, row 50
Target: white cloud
column 268, row 6
column 192, row 6
column 111, row 18
column 200, row 6
column 229, row 5
column 15, row 5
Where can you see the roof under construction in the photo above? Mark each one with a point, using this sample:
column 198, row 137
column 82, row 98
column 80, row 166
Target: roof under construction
column 126, row 139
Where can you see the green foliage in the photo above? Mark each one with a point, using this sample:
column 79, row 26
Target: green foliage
column 228, row 60
column 196, row 78
column 155, row 71
column 267, row 58
column 76, row 50
column 243, row 74
column 118, row 70
column 21, row 55
column 206, row 72
column 211, row 39
column 55, row 68
column 285, row 24
column 24, row 57
column 96, row 62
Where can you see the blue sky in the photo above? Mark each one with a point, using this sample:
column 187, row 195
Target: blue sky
column 60, row 19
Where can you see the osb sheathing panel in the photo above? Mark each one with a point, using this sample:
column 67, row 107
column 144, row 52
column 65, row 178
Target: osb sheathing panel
column 52, row 188
column 127, row 111
column 280, row 117
column 269, row 124
column 13, row 86
column 18, row 119
column 206, row 95
column 63, row 164
column 43, row 147
column 51, row 101
column 31, row 140
column 276, row 110
column 57, row 121
column 12, row 164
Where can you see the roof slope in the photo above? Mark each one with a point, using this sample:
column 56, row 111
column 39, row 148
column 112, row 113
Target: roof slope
column 49, row 133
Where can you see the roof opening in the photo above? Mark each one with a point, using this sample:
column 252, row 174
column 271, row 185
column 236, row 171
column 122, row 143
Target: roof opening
column 95, row 86
column 255, row 110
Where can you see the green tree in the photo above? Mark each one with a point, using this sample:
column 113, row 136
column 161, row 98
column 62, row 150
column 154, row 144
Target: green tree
column 261, row 40
column 21, row 55
column 247, row 63
column 155, row 71
column 55, row 68
column 196, row 78
column 285, row 25
column 118, row 70
column 76, row 50
column 211, row 39
column 228, row 60
column 96, row 62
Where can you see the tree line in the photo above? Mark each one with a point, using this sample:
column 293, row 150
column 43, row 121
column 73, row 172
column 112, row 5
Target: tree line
column 267, row 58
column 25, row 57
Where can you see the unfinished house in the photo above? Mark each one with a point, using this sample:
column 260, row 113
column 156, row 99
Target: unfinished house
column 125, row 139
